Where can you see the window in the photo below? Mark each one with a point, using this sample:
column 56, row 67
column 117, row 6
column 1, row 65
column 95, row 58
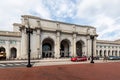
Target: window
column 12, row 42
column 2, row 42
column 97, row 46
column 100, row 46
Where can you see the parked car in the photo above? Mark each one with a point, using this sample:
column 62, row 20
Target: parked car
column 2, row 56
column 79, row 58
column 113, row 58
column 94, row 57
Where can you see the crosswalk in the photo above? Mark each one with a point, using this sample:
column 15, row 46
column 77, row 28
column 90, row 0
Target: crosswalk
column 10, row 65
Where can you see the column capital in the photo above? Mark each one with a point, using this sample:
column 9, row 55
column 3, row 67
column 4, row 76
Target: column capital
column 74, row 35
column 38, row 30
column 58, row 34
column 22, row 28
column 39, row 24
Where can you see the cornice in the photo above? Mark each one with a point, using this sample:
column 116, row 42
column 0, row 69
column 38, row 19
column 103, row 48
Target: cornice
column 58, row 22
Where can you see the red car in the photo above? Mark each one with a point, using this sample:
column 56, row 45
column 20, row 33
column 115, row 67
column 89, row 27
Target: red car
column 79, row 58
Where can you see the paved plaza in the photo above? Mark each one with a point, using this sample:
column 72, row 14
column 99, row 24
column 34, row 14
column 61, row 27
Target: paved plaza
column 46, row 62
column 72, row 71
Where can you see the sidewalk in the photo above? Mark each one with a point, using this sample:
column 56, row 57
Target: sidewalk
column 37, row 60
column 49, row 62
column 66, row 62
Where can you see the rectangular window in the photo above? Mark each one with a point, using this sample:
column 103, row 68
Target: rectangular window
column 100, row 46
column 12, row 42
column 2, row 42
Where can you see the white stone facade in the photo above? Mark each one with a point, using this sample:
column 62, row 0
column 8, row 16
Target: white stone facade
column 108, row 48
column 50, row 39
column 11, row 43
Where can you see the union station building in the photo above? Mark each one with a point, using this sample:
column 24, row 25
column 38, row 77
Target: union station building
column 53, row 39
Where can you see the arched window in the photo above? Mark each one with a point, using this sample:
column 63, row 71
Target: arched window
column 100, row 53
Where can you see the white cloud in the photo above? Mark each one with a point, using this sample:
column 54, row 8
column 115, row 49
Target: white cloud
column 103, row 14
column 11, row 10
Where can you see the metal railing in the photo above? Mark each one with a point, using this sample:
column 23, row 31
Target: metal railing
column 64, row 54
column 48, row 54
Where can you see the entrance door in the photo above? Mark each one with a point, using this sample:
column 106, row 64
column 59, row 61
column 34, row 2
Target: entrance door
column 46, row 50
column 13, row 53
column 64, row 48
column 79, row 48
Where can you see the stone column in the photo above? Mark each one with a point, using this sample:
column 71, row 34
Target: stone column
column 24, row 38
column 71, row 49
column 24, row 44
column 57, row 51
column 18, row 50
column 98, row 54
column 7, row 50
column 38, row 43
column 94, row 46
column 117, row 51
column 74, row 44
column 106, row 52
column 88, row 46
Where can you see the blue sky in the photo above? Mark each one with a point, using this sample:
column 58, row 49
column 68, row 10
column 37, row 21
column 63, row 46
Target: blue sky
column 104, row 15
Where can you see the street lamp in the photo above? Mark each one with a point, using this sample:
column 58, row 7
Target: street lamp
column 29, row 31
column 92, row 38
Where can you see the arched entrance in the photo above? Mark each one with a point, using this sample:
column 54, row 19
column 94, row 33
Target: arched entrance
column 2, row 53
column 100, row 53
column 104, row 52
column 13, row 53
column 96, row 52
column 79, row 48
column 109, row 53
column 115, row 53
column 2, row 50
column 64, row 48
column 112, row 53
column 48, row 48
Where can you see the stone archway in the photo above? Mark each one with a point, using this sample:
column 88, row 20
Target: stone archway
column 64, row 48
column 104, row 52
column 100, row 53
column 116, row 53
column 48, row 48
column 96, row 52
column 108, row 52
column 2, row 50
column 2, row 53
column 79, row 48
column 13, row 53
column 112, row 53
